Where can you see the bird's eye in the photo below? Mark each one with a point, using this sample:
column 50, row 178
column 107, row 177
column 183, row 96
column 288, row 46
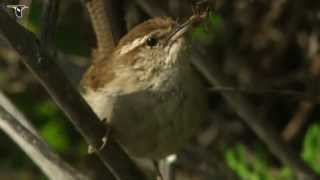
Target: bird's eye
column 152, row 41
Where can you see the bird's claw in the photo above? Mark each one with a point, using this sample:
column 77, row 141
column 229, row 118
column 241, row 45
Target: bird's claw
column 92, row 149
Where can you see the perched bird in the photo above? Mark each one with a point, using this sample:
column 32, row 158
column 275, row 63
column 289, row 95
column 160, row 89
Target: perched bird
column 147, row 90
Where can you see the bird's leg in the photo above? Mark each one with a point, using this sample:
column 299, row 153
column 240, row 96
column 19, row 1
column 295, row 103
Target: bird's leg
column 157, row 168
column 104, row 140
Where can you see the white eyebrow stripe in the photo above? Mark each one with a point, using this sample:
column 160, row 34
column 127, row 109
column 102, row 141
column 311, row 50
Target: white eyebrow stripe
column 139, row 41
column 130, row 46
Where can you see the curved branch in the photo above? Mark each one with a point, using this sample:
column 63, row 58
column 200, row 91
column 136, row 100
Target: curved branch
column 108, row 24
column 14, row 124
column 100, row 19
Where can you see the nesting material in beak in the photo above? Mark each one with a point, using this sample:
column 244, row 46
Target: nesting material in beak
column 183, row 28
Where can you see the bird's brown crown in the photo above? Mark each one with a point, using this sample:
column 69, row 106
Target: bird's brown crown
column 147, row 27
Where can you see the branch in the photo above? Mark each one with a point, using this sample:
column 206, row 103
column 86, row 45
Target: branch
column 16, row 126
column 108, row 24
column 5, row 102
column 100, row 19
column 67, row 98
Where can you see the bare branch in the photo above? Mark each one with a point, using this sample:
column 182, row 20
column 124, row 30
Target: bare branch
column 100, row 15
column 22, row 132
column 68, row 98
column 5, row 102
column 298, row 119
column 108, row 23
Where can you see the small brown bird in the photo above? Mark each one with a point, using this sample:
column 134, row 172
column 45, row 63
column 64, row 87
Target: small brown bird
column 147, row 90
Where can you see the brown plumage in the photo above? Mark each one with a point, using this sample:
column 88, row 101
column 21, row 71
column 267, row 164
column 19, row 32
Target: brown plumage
column 147, row 90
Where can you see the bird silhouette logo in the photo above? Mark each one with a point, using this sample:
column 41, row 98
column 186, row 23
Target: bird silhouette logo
column 18, row 9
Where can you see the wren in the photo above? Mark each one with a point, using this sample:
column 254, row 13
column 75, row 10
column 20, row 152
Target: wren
column 147, row 90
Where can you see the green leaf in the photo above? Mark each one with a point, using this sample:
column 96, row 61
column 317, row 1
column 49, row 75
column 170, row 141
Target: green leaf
column 207, row 31
column 286, row 174
column 311, row 147
column 55, row 134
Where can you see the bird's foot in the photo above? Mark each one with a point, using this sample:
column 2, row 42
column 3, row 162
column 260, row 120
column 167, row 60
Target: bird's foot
column 92, row 149
column 157, row 168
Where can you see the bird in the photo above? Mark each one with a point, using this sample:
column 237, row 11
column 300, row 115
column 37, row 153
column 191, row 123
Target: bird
column 147, row 91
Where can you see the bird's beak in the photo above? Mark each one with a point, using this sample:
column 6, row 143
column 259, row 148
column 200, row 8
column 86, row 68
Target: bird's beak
column 181, row 29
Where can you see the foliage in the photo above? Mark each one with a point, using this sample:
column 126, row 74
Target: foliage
column 254, row 165
column 311, row 147
column 207, row 31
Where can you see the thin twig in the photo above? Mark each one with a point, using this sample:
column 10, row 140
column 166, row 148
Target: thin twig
column 297, row 95
column 5, row 102
column 282, row 92
column 68, row 98
column 22, row 132
column 298, row 119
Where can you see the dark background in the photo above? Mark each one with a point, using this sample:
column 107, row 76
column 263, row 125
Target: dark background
column 270, row 49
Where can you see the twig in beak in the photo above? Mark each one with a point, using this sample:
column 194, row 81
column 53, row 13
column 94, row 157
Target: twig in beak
column 194, row 20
